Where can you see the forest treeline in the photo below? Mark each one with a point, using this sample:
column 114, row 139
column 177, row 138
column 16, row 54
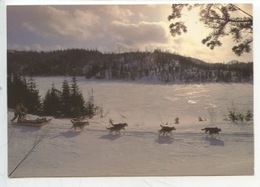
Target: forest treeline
column 157, row 65
column 67, row 102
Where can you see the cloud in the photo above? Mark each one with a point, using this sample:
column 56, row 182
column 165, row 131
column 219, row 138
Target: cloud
column 139, row 34
column 54, row 22
column 118, row 12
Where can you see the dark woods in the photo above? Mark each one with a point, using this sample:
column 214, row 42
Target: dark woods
column 157, row 65
column 68, row 102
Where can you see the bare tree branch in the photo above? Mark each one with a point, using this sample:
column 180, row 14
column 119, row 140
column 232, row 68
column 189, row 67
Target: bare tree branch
column 219, row 18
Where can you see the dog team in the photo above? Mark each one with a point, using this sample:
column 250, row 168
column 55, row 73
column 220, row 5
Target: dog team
column 116, row 128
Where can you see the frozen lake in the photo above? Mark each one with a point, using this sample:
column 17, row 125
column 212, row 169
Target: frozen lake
column 160, row 103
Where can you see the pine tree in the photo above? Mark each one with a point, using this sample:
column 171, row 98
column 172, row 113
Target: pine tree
column 90, row 107
column 52, row 102
column 10, row 92
column 77, row 100
column 21, row 90
column 66, row 99
column 33, row 98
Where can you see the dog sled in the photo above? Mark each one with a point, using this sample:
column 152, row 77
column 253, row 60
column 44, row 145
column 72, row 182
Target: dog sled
column 39, row 122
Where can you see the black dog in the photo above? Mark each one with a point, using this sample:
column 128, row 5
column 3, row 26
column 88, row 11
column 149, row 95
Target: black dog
column 212, row 130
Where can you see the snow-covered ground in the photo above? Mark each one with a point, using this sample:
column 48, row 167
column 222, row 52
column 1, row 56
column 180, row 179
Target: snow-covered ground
column 140, row 151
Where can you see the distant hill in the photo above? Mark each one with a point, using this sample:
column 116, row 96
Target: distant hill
column 129, row 66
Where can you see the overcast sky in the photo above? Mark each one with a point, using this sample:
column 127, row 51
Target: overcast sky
column 111, row 28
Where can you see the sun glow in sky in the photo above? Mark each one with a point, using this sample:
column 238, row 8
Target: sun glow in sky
column 112, row 28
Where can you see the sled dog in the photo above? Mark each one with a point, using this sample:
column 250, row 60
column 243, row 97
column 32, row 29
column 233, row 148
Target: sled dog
column 165, row 130
column 80, row 124
column 212, row 130
column 117, row 128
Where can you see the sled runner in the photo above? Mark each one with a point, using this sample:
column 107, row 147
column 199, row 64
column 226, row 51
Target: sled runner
column 39, row 122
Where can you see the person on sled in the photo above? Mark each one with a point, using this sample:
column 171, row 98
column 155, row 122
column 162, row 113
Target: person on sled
column 19, row 112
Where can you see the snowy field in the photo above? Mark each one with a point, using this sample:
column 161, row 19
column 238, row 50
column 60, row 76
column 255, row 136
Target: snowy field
column 140, row 151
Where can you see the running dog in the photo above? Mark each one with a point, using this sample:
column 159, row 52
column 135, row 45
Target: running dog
column 80, row 124
column 165, row 130
column 212, row 130
column 117, row 128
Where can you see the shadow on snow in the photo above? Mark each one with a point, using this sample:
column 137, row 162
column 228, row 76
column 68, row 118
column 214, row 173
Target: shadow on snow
column 110, row 137
column 23, row 128
column 68, row 134
column 214, row 141
column 164, row 140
